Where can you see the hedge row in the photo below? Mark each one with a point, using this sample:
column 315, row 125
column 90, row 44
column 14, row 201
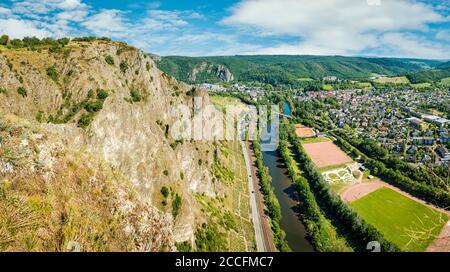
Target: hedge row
column 428, row 192
column 319, row 228
column 270, row 200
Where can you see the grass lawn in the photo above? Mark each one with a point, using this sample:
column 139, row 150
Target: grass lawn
column 338, row 186
column 421, row 85
column 395, row 80
column 327, row 87
column 305, row 79
column 409, row 224
column 364, row 84
column 222, row 101
column 314, row 140
column 333, row 167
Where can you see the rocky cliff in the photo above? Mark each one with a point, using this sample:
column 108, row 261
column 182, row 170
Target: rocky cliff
column 108, row 104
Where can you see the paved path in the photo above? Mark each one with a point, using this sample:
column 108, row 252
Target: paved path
column 442, row 241
column 263, row 232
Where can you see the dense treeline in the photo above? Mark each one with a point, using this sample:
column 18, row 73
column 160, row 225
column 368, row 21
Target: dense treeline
column 429, row 76
column 394, row 171
column 319, row 228
column 349, row 219
column 34, row 42
column 286, row 70
column 270, row 200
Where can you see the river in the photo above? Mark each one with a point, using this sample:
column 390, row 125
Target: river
column 284, row 191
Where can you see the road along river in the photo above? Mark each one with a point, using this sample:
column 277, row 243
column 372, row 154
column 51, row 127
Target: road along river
column 296, row 235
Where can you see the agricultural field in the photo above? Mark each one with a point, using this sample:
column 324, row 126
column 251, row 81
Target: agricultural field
column 421, row 85
column 407, row 223
column 394, row 80
column 326, row 154
column 365, row 85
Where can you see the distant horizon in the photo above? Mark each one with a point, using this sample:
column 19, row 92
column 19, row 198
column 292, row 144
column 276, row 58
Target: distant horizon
column 247, row 55
column 418, row 29
column 301, row 55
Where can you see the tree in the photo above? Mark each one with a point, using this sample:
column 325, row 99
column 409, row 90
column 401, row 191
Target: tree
column 16, row 43
column 102, row 94
column 123, row 66
column 85, row 120
column 63, row 41
column 165, row 191
column 22, row 91
column 52, row 73
column 135, row 95
column 94, row 106
column 110, row 60
column 176, row 205
column 4, row 39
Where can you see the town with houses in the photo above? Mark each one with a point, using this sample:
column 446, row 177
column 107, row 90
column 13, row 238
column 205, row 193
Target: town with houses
column 404, row 122
column 396, row 120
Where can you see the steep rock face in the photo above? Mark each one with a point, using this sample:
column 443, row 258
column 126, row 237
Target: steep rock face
column 56, row 198
column 207, row 70
column 130, row 133
column 204, row 67
column 224, row 74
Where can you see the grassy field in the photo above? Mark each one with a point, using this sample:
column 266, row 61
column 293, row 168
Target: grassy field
column 409, row 224
column 305, row 79
column 446, row 81
column 421, row 85
column 365, row 85
column 314, row 140
column 327, row 87
column 394, row 80
column 222, row 101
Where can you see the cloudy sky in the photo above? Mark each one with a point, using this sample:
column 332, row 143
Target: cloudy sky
column 397, row 28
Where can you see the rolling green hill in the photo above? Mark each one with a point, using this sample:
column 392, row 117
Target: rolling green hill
column 283, row 69
column 429, row 76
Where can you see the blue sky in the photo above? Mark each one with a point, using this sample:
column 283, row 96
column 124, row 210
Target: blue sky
column 396, row 28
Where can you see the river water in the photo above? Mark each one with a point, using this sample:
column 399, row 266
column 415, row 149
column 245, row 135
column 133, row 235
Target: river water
column 284, row 191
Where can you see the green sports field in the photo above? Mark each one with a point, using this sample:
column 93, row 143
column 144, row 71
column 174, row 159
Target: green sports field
column 409, row 224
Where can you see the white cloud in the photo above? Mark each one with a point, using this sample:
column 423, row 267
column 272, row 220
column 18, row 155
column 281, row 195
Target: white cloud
column 413, row 46
column 4, row 11
column 443, row 35
column 333, row 26
column 34, row 8
column 109, row 23
column 70, row 4
column 20, row 28
column 72, row 15
column 321, row 27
